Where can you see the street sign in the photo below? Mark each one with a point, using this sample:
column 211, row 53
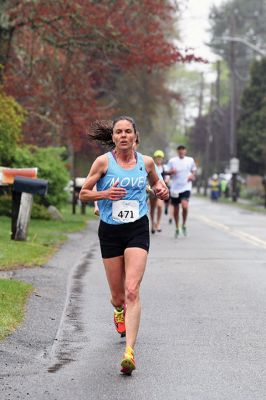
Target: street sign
column 234, row 165
column 79, row 182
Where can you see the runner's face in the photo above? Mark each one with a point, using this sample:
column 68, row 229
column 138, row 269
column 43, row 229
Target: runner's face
column 158, row 160
column 182, row 153
column 124, row 136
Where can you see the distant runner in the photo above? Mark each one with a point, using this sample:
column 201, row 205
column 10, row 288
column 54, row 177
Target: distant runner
column 156, row 205
column 183, row 171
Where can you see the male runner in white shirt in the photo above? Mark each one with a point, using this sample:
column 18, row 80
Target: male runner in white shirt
column 183, row 170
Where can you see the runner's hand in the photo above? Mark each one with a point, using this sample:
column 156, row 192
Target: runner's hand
column 96, row 211
column 172, row 171
column 161, row 191
column 116, row 193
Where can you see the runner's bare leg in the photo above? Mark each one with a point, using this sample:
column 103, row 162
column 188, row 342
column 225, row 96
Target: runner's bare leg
column 135, row 263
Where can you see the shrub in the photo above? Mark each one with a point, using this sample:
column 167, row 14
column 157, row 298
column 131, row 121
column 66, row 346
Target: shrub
column 12, row 116
column 5, row 205
column 38, row 211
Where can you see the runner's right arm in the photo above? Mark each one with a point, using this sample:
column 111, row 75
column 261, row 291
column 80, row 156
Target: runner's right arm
column 193, row 171
column 98, row 169
column 96, row 208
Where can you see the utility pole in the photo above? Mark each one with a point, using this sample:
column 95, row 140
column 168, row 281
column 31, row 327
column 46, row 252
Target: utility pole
column 233, row 90
column 218, row 83
column 232, row 107
column 201, row 98
column 201, row 95
column 209, row 138
column 217, row 115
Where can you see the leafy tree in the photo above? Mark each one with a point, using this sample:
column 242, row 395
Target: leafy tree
column 146, row 93
column 54, row 43
column 64, row 57
column 12, row 117
column 209, row 138
column 242, row 19
column 252, row 123
column 213, row 124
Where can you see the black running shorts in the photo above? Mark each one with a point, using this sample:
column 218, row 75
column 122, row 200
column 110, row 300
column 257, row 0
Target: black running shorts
column 175, row 201
column 114, row 239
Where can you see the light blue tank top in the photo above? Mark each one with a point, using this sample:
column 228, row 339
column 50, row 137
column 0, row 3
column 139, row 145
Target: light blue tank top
column 133, row 180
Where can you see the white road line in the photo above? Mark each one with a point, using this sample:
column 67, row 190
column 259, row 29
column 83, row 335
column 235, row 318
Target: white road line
column 233, row 232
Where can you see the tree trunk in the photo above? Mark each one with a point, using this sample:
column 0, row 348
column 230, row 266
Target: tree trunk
column 5, row 44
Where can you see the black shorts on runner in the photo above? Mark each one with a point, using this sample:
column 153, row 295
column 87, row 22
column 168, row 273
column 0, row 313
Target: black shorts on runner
column 175, row 201
column 115, row 239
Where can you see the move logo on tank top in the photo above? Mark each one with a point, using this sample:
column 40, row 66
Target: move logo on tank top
column 128, row 181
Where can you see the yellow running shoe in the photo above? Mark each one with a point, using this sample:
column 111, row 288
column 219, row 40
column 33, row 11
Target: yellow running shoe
column 184, row 230
column 128, row 362
column 119, row 320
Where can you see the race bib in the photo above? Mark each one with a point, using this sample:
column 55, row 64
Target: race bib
column 125, row 210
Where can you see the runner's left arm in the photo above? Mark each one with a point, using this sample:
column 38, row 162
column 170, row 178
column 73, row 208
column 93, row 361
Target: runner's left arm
column 193, row 171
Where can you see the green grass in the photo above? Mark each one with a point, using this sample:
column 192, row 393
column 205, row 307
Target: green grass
column 13, row 297
column 253, row 206
column 249, row 206
column 43, row 239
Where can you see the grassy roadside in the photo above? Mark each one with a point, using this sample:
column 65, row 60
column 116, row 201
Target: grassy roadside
column 44, row 237
column 13, row 298
column 249, row 205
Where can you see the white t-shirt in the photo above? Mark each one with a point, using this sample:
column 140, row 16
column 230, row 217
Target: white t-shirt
column 179, row 181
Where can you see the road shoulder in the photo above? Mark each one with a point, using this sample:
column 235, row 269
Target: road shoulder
column 33, row 342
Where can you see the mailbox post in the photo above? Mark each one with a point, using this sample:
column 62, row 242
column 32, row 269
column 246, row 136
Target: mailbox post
column 263, row 181
column 22, row 199
column 77, row 185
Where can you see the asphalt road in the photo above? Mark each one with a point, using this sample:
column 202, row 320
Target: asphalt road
column 203, row 329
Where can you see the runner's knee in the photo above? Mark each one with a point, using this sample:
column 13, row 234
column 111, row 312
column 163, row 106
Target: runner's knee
column 132, row 294
column 185, row 205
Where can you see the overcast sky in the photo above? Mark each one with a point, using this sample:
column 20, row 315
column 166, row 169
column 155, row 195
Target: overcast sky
column 194, row 26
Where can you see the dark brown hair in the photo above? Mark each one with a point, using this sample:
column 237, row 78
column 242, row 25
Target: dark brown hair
column 102, row 131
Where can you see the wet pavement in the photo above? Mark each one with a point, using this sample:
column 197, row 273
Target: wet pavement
column 203, row 325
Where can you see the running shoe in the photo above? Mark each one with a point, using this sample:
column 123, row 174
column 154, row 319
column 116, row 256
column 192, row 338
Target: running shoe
column 119, row 320
column 184, row 230
column 176, row 233
column 128, row 362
